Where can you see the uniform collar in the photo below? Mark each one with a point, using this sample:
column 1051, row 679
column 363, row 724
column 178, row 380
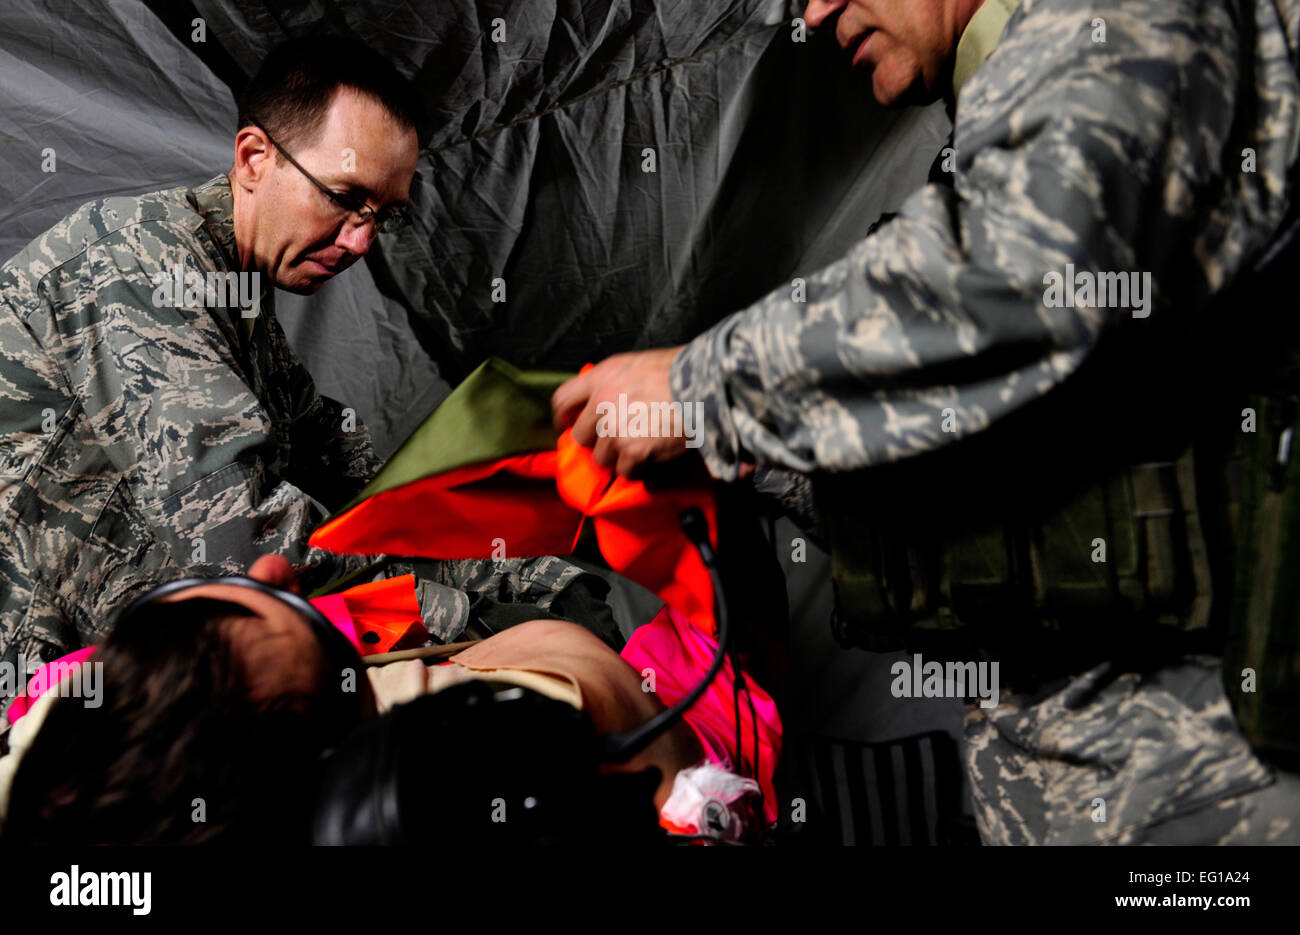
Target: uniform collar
column 980, row 39
column 216, row 205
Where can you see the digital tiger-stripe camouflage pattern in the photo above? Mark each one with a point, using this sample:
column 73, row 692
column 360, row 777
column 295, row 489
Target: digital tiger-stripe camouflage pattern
column 143, row 439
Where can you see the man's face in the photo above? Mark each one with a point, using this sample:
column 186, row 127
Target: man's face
column 908, row 45
column 290, row 230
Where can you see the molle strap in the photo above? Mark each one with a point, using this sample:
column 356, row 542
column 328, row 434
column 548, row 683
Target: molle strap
column 1155, row 514
column 1128, row 547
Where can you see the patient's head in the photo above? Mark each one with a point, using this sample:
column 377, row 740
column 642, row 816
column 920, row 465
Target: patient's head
column 279, row 650
column 216, row 703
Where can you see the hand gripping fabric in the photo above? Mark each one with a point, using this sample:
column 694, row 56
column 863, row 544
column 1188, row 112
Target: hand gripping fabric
column 486, row 475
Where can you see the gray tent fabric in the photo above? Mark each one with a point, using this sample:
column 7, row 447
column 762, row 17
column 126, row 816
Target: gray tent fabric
column 770, row 160
column 626, row 173
column 123, row 106
column 98, row 101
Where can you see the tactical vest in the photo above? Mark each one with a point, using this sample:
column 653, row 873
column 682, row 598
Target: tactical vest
column 1146, row 509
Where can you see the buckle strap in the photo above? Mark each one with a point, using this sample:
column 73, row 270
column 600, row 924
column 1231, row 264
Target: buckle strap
column 1155, row 488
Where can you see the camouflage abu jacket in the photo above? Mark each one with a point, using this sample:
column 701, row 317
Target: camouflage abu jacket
column 1129, row 136
column 1115, row 156
column 142, row 440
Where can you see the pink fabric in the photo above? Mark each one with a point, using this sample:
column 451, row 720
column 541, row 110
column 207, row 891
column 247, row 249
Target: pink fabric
column 335, row 607
column 387, row 611
column 37, row 684
column 680, row 655
column 676, row 651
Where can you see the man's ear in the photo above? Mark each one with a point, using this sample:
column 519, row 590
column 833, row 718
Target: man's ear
column 254, row 156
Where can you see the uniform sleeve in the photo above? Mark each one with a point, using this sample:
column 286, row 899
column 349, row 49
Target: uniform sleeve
column 941, row 322
column 550, row 583
column 171, row 409
column 331, row 444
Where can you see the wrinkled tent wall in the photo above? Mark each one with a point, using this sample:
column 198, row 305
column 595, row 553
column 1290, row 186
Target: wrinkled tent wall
column 770, row 161
column 767, row 163
column 770, row 158
column 128, row 107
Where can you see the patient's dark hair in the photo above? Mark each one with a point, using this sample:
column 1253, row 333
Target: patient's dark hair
column 291, row 92
column 175, row 724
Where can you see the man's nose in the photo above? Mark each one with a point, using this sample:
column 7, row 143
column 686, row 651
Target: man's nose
column 356, row 238
column 818, row 11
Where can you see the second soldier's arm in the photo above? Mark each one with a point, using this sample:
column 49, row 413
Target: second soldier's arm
column 936, row 326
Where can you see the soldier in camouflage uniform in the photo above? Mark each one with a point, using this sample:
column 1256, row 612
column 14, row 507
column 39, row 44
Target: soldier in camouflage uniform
column 145, row 438
column 1155, row 136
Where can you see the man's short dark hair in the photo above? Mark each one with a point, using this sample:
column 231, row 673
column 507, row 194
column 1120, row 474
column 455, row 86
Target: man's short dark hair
column 291, row 92
column 176, row 726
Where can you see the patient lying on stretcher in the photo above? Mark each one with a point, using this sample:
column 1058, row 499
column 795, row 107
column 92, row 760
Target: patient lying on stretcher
column 218, row 698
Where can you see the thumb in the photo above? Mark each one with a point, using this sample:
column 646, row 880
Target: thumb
column 569, row 399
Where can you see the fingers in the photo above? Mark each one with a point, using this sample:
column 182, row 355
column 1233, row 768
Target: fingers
column 640, row 381
column 584, row 427
column 627, row 464
column 276, row 571
column 569, row 399
column 605, row 451
column 625, row 457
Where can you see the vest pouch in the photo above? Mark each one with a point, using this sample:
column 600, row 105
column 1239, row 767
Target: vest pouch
column 1085, row 555
column 1261, row 666
column 1121, row 558
column 1130, row 545
column 864, row 614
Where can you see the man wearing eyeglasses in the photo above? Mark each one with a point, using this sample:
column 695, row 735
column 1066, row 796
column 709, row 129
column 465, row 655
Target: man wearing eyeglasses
column 151, row 431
